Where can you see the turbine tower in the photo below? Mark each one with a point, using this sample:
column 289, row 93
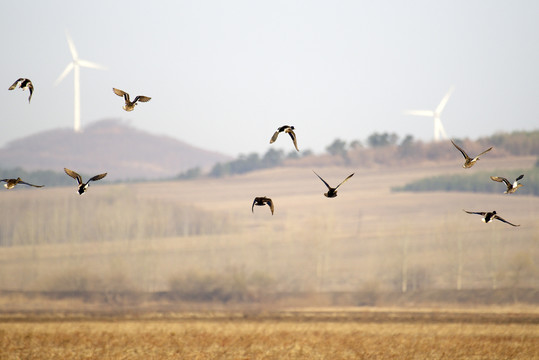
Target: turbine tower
column 439, row 132
column 75, row 66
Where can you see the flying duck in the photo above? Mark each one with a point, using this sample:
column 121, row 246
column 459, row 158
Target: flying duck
column 130, row 105
column 469, row 162
column 24, row 84
column 286, row 129
column 261, row 201
column 332, row 192
column 10, row 183
column 83, row 186
column 511, row 188
column 489, row 216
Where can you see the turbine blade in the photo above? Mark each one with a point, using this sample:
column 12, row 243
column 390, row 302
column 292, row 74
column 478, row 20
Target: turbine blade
column 444, row 101
column 72, row 48
column 68, row 68
column 439, row 129
column 419, row 112
column 89, row 64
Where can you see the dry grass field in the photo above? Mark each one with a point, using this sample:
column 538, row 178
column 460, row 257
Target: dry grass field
column 143, row 238
column 140, row 236
column 365, row 335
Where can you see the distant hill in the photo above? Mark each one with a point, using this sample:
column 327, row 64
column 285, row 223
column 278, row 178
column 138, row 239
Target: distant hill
column 107, row 146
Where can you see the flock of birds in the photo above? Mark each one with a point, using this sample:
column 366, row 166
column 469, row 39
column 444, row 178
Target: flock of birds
column 24, row 84
column 487, row 216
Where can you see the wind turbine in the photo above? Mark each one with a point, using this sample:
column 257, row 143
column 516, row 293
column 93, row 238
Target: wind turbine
column 75, row 66
column 439, row 132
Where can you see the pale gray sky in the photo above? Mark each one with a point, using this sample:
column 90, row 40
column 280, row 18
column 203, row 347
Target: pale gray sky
column 223, row 75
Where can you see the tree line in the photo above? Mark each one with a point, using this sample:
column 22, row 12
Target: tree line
column 383, row 148
column 476, row 182
column 379, row 148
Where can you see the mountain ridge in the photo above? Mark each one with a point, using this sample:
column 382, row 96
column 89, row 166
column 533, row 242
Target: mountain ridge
column 108, row 145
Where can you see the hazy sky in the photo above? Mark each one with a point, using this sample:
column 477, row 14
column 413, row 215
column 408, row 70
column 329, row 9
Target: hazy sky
column 223, row 75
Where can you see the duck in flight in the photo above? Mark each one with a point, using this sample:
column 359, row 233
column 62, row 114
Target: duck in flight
column 83, row 186
column 469, row 162
column 332, row 192
column 287, row 129
column 261, row 201
column 511, row 188
column 488, row 216
column 11, row 183
column 24, row 84
column 130, row 105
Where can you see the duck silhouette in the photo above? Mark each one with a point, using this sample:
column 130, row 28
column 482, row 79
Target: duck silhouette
column 24, row 84
column 488, row 216
column 332, row 191
column 130, row 105
column 511, row 187
column 287, row 129
column 83, row 186
column 261, row 201
column 11, row 183
column 469, row 162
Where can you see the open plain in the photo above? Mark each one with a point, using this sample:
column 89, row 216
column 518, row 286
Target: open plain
column 380, row 334
column 144, row 235
column 91, row 277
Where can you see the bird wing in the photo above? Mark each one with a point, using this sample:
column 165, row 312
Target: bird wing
column 487, row 150
column 25, row 183
column 254, row 202
column 31, row 89
column 324, row 181
column 520, row 177
column 274, row 137
column 15, row 84
column 119, row 92
column 270, row 203
column 122, row 93
column 482, row 213
column 142, row 98
column 501, row 179
column 503, row 220
column 349, row 176
column 462, row 151
column 97, row 177
column 74, row 175
column 293, row 136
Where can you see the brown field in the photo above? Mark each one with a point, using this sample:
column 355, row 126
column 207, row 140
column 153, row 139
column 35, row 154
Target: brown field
column 311, row 335
column 142, row 237
column 84, row 277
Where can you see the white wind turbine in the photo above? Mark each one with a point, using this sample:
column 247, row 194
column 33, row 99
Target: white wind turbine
column 75, row 66
column 439, row 132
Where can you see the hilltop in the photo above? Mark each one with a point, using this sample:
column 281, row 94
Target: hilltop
column 107, row 145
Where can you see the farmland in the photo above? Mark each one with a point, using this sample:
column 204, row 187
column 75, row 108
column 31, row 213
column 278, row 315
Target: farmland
column 144, row 237
column 381, row 334
column 185, row 269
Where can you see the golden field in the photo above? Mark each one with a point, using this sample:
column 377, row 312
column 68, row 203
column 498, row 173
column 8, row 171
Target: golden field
column 377, row 335
column 140, row 237
column 123, row 245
